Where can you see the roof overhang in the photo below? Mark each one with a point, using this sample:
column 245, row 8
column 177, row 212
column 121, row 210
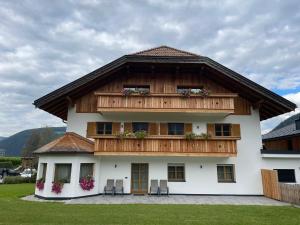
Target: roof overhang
column 269, row 103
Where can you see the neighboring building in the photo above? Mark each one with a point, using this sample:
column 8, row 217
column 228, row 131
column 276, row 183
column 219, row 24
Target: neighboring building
column 172, row 95
column 283, row 142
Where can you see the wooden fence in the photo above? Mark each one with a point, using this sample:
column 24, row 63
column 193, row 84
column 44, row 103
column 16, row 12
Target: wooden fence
column 290, row 193
column 279, row 191
column 270, row 184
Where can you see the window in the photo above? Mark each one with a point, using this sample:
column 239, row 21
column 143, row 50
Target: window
column 222, row 129
column 193, row 90
column 225, row 173
column 86, row 170
column 139, row 127
column 176, row 172
column 175, row 128
column 43, row 171
column 104, row 128
column 63, row 172
column 286, row 175
column 297, row 122
column 137, row 88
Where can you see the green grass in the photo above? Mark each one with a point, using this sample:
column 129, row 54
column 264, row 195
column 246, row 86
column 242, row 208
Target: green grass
column 16, row 211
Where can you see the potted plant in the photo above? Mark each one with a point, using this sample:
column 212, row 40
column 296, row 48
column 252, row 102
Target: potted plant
column 40, row 184
column 87, row 183
column 190, row 136
column 144, row 92
column 57, row 186
column 140, row 134
column 205, row 136
column 186, row 93
column 125, row 134
column 127, row 92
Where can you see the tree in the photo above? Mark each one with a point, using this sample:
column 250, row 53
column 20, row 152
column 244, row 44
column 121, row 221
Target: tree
column 31, row 144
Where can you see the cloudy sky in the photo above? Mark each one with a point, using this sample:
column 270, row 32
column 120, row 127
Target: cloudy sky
column 46, row 44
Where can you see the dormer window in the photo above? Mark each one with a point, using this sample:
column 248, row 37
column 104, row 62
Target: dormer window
column 297, row 122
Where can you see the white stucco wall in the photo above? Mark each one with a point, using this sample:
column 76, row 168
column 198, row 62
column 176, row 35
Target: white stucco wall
column 248, row 162
column 73, row 188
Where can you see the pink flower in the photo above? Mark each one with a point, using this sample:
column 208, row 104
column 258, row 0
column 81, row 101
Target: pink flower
column 87, row 183
column 57, row 187
column 40, row 184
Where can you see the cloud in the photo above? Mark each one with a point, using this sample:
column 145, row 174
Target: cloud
column 44, row 45
column 269, row 124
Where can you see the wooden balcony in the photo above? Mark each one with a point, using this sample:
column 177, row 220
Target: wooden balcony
column 117, row 102
column 166, row 146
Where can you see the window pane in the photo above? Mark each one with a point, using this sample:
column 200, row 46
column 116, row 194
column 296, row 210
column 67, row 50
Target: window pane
column 176, row 173
column 286, row 175
column 171, row 173
column 43, row 171
column 86, row 169
column 137, row 88
column 63, row 172
column 100, row 128
column 175, row 128
column 104, row 128
column 225, row 173
column 140, row 127
column 108, row 128
column 218, row 129
column 226, row 129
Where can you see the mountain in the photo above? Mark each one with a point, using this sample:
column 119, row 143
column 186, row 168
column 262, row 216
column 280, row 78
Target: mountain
column 2, row 138
column 14, row 144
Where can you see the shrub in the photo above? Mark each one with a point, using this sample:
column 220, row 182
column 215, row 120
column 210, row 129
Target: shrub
column 144, row 92
column 140, row 134
column 18, row 179
column 190, row 136
column 128, row 92
column 7, row 164
column 16, row 161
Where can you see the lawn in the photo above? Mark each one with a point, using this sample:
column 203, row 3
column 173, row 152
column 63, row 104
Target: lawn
column 16, row 211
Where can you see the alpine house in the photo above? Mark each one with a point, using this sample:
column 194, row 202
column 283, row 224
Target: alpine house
column 159, row 114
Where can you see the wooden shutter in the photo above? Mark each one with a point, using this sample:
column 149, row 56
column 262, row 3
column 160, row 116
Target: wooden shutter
column 116, row 128
column 153, row 129
column 236, row 130
column 163, row 129
column 188, row 128
column 127, row 127
column 211, row 129
column 91, row 129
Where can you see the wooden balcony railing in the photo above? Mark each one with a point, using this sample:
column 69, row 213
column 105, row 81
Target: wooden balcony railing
column 166, row 146
column 213, row 103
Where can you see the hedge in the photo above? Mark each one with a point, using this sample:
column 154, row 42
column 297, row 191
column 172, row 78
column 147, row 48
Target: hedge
column 7, row 164
column 18, row 179
column 16, row 161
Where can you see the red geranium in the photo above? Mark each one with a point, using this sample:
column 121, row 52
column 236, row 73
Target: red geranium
column 57, row 187
column 87, row 183
column 40, row 184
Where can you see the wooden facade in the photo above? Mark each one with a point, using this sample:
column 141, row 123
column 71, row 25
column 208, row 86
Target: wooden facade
column 283, row 144
column 165, row 146
column 163, row 96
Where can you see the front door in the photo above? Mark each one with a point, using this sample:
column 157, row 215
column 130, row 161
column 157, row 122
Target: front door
column 139, row 178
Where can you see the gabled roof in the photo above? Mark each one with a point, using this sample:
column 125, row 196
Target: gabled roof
column 285, row 128
column 68, row 143
column 165, row 51
column 57, row 102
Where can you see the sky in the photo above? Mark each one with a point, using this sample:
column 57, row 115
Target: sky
column 47, row 44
